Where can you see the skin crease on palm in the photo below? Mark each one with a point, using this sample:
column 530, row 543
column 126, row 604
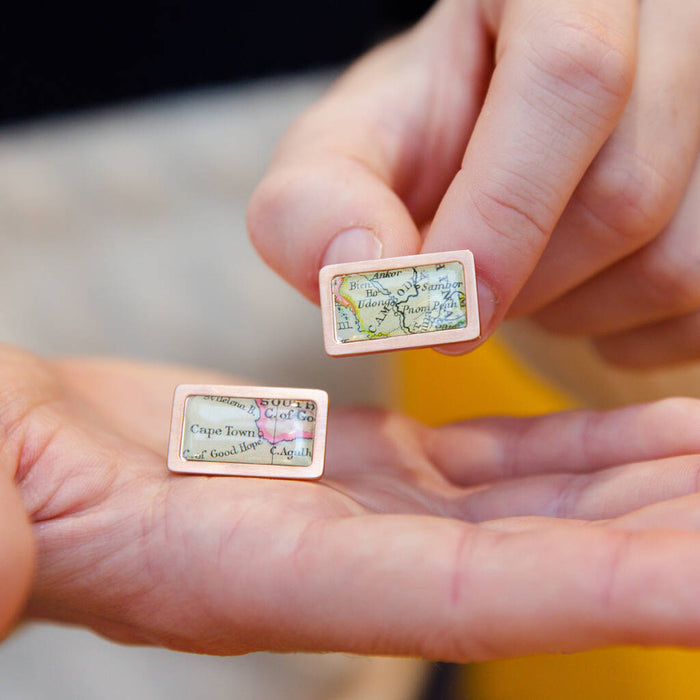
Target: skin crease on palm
column 489, row 538
column 556, row 140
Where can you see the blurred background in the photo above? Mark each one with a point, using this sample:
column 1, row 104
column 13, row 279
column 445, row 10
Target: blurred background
column 131, row 136
column 58, row 57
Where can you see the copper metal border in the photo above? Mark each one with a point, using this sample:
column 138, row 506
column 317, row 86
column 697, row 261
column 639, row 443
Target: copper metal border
column 177, row 464
column 417, row 340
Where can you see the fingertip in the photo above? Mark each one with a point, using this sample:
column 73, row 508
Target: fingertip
column 351, row 245
column 329, row 210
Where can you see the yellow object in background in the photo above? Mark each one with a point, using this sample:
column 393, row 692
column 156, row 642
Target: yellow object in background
column 622, row 673
column 437, row 389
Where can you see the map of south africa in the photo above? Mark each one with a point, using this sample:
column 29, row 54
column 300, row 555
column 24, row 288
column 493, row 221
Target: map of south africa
column 404, row 301
column 249, row 430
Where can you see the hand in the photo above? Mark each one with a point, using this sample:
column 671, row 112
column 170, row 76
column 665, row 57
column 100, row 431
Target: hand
column 484, row 539
column 568, row 165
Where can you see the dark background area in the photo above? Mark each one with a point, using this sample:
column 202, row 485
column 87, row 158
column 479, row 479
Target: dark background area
column 58, row 57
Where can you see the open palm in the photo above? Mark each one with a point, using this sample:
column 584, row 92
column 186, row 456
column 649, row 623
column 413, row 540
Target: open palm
column 482, row 539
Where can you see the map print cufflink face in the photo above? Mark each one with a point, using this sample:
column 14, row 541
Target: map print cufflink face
column 394, row 303
column 248, row 431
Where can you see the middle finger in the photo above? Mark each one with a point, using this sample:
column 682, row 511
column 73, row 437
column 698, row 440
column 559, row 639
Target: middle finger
column 632, row 188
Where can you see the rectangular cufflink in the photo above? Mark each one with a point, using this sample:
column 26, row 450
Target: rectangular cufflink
column 248, row 431
column 395, row 303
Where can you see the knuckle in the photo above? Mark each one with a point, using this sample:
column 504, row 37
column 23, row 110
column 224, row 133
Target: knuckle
column 612, row 583
column 630, row 196
column 671, row 279
column 566, row 501
column 586, row 53
column 513, row 213
column 479, row 644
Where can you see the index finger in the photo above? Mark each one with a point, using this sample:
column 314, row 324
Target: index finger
column 564, row 72
column 358, row 174
column 423, row 586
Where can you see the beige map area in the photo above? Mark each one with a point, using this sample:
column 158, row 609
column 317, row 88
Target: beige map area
column 404, row 301
column 249, row 430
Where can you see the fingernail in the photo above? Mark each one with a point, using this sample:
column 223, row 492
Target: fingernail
column 487, row 312
column 352, row 245
column 487, row 307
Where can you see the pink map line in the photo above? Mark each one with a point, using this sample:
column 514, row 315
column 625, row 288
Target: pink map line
column 274, row 430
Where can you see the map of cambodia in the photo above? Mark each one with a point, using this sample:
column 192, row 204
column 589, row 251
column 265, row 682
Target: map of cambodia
column 404, row 301
column 249, row 430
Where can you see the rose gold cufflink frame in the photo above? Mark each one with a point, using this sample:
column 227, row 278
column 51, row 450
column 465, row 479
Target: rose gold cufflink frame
column 258, row 412
column 469, row 331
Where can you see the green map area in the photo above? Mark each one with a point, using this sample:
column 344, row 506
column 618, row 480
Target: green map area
column 404, row 301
